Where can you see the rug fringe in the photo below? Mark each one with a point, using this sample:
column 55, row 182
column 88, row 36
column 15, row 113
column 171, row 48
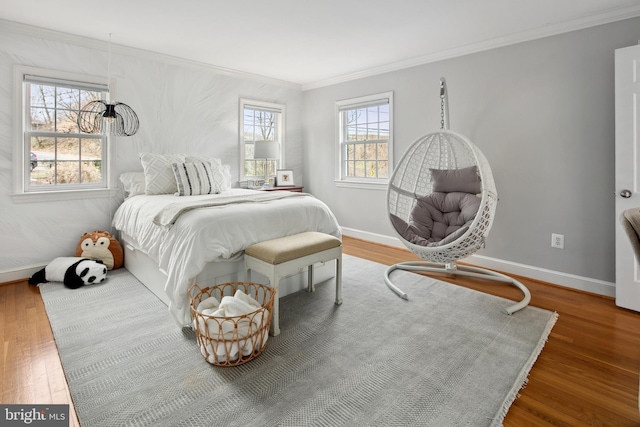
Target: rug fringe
column 523, row 378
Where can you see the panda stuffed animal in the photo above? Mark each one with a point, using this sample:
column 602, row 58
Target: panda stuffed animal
column 74, row 272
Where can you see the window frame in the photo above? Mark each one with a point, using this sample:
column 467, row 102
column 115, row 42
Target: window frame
column 22, row 191
column 280, row 129
column 341, row 178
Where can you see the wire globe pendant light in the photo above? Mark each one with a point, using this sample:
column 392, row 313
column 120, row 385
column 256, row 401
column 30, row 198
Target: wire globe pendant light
column 114, row 118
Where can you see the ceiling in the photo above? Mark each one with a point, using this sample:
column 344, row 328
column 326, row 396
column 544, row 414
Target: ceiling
column 315, row 43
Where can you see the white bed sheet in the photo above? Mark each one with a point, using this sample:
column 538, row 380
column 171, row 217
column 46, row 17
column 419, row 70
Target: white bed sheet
column 218, row 233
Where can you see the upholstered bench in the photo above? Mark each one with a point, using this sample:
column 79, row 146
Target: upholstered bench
column 285, row 256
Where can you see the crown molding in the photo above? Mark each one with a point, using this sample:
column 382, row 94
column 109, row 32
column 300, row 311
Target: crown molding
column 89, row 43
column 607, row 17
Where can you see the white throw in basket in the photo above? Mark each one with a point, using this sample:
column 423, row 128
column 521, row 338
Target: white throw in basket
column 232, row 340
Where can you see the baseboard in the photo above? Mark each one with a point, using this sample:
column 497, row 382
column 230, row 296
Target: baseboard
column 22, row 273
column 581, row 283
column 567, row 280
column 373, row 237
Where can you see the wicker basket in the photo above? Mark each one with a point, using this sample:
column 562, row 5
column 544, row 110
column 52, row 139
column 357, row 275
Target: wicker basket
column 232, row 341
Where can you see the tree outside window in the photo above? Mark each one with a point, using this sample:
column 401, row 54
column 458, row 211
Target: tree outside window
column 365, row 138
column 60, row 155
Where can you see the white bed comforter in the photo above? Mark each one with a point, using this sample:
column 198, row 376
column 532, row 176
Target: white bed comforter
column 216, row 233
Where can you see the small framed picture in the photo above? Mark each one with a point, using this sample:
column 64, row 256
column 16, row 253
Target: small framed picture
column 284, row 178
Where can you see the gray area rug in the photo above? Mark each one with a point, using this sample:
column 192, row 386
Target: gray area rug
column 445, row 357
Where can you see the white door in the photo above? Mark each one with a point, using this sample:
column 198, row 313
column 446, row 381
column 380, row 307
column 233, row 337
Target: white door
column 627, row 91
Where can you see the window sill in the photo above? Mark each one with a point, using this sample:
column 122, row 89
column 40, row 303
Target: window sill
column 379, row 185
column 56, row 196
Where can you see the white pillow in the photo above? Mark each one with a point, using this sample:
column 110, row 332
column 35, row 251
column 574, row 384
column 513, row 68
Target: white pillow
column 222, row 177
column 132, row 183
column 213, row 160
column 158, row 175
column 193, row 179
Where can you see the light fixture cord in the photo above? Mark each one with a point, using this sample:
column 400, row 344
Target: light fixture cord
column 109, row 68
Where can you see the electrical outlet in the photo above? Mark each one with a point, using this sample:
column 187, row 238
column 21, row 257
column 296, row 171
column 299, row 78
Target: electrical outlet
column 557, row 241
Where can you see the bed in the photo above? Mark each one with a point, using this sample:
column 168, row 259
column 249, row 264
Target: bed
column 171, row 242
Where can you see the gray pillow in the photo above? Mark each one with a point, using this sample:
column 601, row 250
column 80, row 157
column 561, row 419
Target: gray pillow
column 438, row 219
column 465, row 180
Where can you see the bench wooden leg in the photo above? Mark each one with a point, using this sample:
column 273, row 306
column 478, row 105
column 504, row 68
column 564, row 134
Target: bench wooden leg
column 311, row 287
column 339, row 280
column 274, row 328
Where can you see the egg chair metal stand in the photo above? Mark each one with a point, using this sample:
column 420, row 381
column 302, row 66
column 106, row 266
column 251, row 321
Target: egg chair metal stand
column 444, row 165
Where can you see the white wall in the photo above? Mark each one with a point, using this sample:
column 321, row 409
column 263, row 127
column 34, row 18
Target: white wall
column 183, row 108
column 543, row 114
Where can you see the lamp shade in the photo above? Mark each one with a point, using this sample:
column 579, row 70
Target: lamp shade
column 266, row 150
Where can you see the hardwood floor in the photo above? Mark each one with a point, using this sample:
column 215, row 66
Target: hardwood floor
column 31, row 371
column 587, row 374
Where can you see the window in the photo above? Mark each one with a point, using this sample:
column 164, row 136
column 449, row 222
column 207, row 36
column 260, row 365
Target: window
column 365, row 140
column 261, row 122
column 54, row 155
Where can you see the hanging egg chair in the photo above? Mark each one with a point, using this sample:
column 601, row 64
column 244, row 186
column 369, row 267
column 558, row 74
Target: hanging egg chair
column 441, row 202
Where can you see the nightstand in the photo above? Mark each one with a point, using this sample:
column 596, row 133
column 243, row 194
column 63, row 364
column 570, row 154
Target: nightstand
column 292, row 188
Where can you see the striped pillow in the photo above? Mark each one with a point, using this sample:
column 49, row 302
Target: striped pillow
column 194, row 179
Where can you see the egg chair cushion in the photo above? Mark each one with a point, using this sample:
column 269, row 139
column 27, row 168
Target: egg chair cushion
column 438, row 219
column 466, row 180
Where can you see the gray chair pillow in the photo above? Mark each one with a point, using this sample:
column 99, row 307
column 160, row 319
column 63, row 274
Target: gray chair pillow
column 438, row 219
column 465, row 180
